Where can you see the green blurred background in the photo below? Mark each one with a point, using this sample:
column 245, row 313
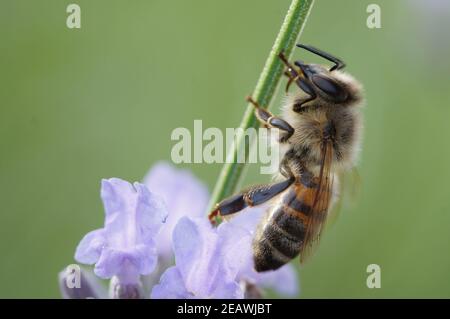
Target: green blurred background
column 102, row 101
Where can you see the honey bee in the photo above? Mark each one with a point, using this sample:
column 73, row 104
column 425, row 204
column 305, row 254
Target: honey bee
column 320, row 134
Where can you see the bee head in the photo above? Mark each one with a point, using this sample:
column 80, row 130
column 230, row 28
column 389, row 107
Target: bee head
column 324, row 82
column 331, row 84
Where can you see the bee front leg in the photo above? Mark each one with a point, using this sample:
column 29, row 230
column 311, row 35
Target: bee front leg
column 271, row 121
column 292, row 74
column 298, row 77
column 254, row 196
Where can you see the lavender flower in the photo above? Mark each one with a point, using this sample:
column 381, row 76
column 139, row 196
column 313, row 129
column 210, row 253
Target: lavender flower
column 202, row 266
column 125, row 248
column 184, row 195
column 137, row 241
column 218, row 263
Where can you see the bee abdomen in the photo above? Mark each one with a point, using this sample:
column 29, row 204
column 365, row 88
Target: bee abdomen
column 279, row 241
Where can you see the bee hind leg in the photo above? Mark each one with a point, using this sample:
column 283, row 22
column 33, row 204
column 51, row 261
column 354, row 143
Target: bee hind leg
column 254, row 196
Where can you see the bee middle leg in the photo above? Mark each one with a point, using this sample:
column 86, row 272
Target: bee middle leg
column 271, row 121
column 251, row 197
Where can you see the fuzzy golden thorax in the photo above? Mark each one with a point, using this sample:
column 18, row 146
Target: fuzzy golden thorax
column 323, row 119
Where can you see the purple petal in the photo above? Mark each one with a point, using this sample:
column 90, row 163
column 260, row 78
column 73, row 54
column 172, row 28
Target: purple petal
column 171, row 286
column 151, row 213
column 90, row 247
column 140, row 259
column 194, row 243
column 184, row 195
column 117, row 196
column 235, row 247
column 133, row 214
column 248, row 218
column 202, row 266
column 245, row 224
column 110, row 263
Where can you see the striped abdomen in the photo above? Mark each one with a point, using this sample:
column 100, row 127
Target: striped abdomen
column 281, row 234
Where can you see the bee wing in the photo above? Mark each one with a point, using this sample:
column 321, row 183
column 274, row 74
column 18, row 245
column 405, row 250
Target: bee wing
column 349, row 185
column 321, row 203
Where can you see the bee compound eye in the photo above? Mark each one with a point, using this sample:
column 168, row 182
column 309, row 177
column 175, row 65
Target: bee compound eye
column 330, row 87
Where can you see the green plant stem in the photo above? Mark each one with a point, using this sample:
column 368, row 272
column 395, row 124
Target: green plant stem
column 265, row 90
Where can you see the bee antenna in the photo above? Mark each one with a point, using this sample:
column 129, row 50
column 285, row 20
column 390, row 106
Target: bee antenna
column 338, row 63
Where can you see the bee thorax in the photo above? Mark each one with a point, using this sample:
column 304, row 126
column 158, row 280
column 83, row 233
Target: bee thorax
column 313, row 128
